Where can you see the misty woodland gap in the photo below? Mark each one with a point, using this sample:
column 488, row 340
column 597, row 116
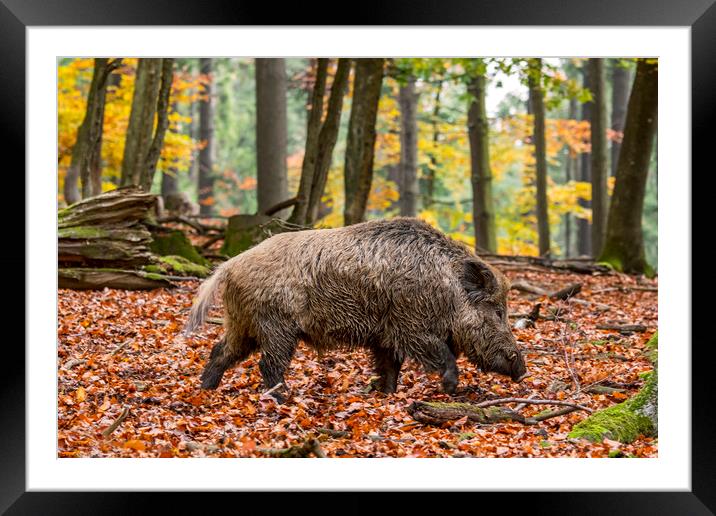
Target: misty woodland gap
column 382, row 257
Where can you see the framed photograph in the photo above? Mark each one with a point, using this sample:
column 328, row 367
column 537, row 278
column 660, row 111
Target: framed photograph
column 114, row 396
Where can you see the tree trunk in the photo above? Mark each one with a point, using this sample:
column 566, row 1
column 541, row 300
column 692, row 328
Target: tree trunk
column 483, row 210
column 146, row 177
column 361, row 138
column 308, row 167
column 320, row 140
column 620, row 97
column 328, row 137
column 430, row 175
column 206, row 134
column 584, row 238
column 86, row 154
column 141, row 120
column 536, row 97
column 624, row 246
column 408, row 184
column 570, row 172
column 271, row 134
column 600, row 197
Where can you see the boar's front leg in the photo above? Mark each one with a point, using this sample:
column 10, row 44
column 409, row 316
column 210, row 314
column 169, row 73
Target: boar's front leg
column 277, row 350
column 448, row 371
column 387, row 367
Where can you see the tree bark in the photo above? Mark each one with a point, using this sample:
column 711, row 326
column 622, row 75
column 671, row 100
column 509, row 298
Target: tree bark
column 86, row 154
column 408, row 183
column 206, row 134
column 600, row 197
column 620, row 97
column 141, row 120
column 361, row 138
column 155, row 149
column 536, row 97
column 624, row 246
column 584, row 239
column 308, row 167
column 430, row 175
column 570, row 172
column 483, row 210
column 271, row 134
column 328, row 137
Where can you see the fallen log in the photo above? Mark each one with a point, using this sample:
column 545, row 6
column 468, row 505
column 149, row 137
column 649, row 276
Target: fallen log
column 564, row 294
column 435, row 413
column 623, row 328
column 97, row 279
column 580, row 266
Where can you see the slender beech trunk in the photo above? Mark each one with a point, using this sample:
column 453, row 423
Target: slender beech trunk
column 478, row 128
column 170, row 180
column 86, row 154
column 327, row 138
column 621, row 79
column 570, row 172
column 271, row 134
column 361, row 138
column 584, row 237
column 298, row 216
column 141, row 119
column 408, row 184
column 600, row 197
column 430, row 175
column 206, row 134
column 146, row 176
column 536, row 97
column 624, row 245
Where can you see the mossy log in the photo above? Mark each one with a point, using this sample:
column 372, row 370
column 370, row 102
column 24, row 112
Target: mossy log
column 107, row 230
column 436, row 413
column 628, row 420
column 116, row 206
column 96, row 279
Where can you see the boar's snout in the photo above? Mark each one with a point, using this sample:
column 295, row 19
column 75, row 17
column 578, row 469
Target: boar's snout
column 518, row 368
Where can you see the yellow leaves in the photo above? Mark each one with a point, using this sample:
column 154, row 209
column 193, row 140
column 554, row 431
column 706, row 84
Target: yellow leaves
column 80, row 394
column 73, row 79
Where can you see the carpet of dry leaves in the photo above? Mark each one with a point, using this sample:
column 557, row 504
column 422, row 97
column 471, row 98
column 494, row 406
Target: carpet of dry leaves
column 122, row 351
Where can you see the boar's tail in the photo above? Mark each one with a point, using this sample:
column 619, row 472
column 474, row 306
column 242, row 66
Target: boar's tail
column 205, row 299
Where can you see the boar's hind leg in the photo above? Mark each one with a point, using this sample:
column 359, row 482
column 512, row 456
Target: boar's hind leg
column 387, row 367
column 224, row 356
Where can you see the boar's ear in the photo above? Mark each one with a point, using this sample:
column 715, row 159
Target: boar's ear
column 478, row 280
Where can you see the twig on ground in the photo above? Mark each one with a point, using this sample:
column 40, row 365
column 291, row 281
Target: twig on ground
column 111, row 428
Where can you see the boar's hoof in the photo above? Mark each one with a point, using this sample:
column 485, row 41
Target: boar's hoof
column 449, row 385
column 210, row 380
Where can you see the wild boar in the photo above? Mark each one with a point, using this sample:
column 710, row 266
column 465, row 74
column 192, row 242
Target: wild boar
column 397, row 287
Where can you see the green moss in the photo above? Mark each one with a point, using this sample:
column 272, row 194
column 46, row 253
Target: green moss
column 178, row 265
column 619, row 423
column 623, row 422
column 175, row 243
column 79, row 232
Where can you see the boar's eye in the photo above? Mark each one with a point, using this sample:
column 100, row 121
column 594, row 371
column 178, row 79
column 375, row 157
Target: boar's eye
column 499, row 313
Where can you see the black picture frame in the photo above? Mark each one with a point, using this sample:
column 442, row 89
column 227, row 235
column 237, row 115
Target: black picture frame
column 17, row 15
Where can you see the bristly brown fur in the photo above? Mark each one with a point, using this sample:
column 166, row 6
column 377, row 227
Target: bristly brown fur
column 398, row 287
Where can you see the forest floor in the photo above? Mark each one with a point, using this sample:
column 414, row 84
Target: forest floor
column 120, row 353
